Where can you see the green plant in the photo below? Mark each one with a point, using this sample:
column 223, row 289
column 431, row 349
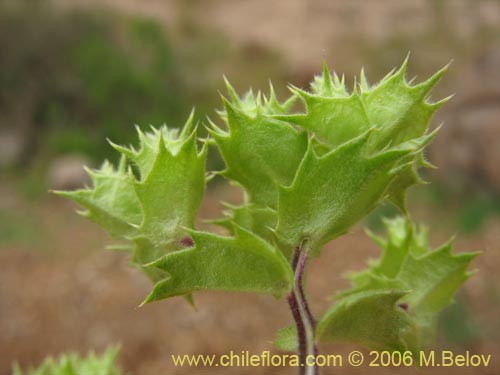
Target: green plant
column 73, row 364
column 308, row 178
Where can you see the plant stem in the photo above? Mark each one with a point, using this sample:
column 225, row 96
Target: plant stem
column 302, row 315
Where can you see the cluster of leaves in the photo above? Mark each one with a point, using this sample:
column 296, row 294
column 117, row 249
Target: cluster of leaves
column 307, row 177
column 73, row 364
column 403, row 292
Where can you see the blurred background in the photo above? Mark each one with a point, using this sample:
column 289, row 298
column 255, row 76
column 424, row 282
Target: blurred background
column 73, row 73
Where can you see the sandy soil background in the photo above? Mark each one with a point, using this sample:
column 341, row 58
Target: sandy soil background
column 67, row 293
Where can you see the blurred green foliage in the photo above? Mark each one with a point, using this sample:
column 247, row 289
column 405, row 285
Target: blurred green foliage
column 70, row 78
column 476, row 210
column 17, row 228
column 466, row 209
column 458, row 326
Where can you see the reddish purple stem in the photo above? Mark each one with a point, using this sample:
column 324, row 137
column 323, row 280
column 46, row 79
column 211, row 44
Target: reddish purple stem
column 296, row 297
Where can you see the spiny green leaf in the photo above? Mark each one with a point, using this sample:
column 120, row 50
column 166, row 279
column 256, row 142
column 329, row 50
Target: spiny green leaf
column 151, row 142
column 111, row 202
column 370, row 318
column 259, row 151
column 398, row 110
column 171, row 193
column 154, row 206
column 254, row 105
column 243, row 263
column 335, row 120
column 326, row 86
column 431, row 277
column 434, row 278
column 332, row 192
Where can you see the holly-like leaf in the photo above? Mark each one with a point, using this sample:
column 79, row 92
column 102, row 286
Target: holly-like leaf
column 241, row 263
column 399, row 111
column 153, row 197
column 258, row 104
column 171, row 193
column 333, row 191
column 430, row 277
column 112, row 202
column 370, row 318
column 260, row 152
column 393, row 105
column 334, row 119
column 149, row 145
